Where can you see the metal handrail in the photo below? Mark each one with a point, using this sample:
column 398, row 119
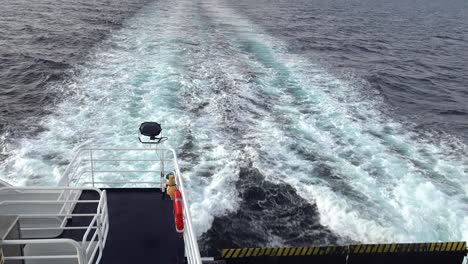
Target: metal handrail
column 193, row 249
column 99, row 236
column 78, row 249
column 73, row 174
column 75, row 171
column 84, row 255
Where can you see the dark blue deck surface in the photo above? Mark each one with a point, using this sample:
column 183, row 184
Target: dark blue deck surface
column 141, row 228
column 142, row 231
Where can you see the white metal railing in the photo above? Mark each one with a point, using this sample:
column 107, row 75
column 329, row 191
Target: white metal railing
column 76, row 255
column 87, row 251
column 101, row 166
column 93, row 166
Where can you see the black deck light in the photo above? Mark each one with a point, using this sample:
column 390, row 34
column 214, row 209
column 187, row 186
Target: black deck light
column 151, row 130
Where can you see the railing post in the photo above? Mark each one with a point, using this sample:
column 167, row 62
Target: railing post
column 100, row 235
column 82, row 256
column 162, row 162
column 92, row 165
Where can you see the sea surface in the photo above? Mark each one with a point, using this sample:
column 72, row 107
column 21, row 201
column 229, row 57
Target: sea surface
column 317, row 122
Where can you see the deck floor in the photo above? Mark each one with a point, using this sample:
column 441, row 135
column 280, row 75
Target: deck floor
column 141, row 227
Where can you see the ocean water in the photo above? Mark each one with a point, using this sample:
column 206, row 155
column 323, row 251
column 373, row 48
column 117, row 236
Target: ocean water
column 296, row 122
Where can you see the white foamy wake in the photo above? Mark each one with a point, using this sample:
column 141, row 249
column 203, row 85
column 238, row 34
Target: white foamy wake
column 384, row 183
column 136, row 75
column 230, row 93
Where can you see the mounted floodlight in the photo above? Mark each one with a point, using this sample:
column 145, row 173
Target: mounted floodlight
column 151, row 130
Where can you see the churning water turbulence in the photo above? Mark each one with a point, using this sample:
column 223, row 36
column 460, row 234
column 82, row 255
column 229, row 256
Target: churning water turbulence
column 274, row 148
column 40, row 43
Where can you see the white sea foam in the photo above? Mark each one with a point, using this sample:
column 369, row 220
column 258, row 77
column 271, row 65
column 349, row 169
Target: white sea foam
column 380, row 182
column 409, row 188
column 130, row 78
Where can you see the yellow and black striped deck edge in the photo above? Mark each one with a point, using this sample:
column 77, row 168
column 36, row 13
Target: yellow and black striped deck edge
column 281, row 251
column 343, row 250
column 363, row 253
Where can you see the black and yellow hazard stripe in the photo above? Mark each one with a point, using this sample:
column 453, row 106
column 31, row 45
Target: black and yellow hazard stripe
column 408, row 248
column 230, row 253
column 281, row 252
